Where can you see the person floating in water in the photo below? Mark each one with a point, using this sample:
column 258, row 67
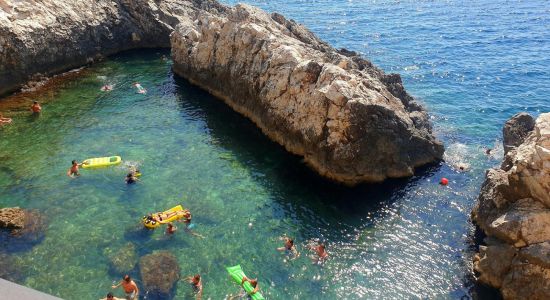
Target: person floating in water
column 107, row 88
column 140, row 89
column 129, row 287
column 321, row 253
column 253, row 282
column 4, row 121
column 111, row 297
column 36, row 108
column 171, row 229
column 196, row 282
column 289, row 246
column 73, row 170
column 131, row 178
column 187, row 218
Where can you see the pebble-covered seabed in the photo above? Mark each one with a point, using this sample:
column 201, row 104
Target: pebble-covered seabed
column 473, row 65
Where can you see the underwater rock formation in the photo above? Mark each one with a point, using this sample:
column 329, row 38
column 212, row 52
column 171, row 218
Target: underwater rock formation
column 350, row 121
column 159, row 272
column 513, row 210
column 22, row 222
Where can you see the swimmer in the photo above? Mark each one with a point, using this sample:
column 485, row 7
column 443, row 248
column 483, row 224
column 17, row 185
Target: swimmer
column 36, row 108
column 253, row 282
column 171, row 229
column 322, row 254
column 289, row 246
column 187, row 217
column 111, row 297
column 73, row 170
column 488, row 151
column 4, row 121
column 129, row 286
column 141, row 90
column 107, row 88
column 131, row 178
column 196, row 282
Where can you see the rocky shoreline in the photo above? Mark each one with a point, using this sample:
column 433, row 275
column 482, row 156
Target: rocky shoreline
column 513, row 210
column 350, row 121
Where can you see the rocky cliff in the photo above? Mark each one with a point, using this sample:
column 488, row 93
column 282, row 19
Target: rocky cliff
column 349, row 120
column 52, row 36
column 513, row 210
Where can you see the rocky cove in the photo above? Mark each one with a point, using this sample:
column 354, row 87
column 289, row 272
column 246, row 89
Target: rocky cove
column 351, row 122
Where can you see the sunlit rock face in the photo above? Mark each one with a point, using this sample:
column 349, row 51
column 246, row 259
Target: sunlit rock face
column 350, row 121
column 513, row 210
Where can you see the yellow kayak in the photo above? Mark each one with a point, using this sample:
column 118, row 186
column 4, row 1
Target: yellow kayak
column 99, row 162
column 155, row 220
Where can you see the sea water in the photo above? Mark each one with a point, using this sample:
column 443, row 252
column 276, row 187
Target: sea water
column 473, row 65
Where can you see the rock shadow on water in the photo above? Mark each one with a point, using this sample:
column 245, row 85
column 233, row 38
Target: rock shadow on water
column 286, row 174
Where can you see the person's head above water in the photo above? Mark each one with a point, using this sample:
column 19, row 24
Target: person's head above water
column 109, row 296
column 74, row 162
column 196, row 278
column 127, row 278
column 35, row 102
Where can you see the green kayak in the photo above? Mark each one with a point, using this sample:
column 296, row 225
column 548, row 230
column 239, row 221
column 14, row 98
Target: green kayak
column 237, row 274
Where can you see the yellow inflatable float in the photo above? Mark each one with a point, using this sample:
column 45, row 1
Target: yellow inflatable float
column 99, row 162
column 153, row 221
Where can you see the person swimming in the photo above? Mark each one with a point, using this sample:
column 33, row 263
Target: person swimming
column 196, row 282
column 289, row 246
column 107, row 88
column 140, row 89
column 171, row 229
column 131, row 178
column 36, row 108
column 73, row 170
column 4, row 120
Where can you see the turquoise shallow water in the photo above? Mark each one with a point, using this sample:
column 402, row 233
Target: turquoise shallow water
column 472, row 65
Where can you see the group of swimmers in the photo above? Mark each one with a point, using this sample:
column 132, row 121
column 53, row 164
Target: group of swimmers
column 35, row 108
column 137, row 85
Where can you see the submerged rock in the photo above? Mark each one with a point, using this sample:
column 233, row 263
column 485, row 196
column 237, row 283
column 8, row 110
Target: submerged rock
column 122, row 260
column 349, row 120
column 159, row 273
column 513, row 210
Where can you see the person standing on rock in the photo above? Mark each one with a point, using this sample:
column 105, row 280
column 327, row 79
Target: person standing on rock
column 129, row 286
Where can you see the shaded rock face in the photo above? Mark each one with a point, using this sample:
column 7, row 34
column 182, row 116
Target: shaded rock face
column 52, row 36
column 513, row 210
column 159, row 273
column 349, row 120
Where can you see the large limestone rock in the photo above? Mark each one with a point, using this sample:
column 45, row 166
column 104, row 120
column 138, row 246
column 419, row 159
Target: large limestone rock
column 513, row 210
column 51, row 36
column 22, row 222
column 159, row 273
column 349, row 120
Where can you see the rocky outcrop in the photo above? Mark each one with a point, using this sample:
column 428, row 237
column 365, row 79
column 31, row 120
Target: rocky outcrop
column 22, row 222
column 159, row 273
column 52, row 36
column 349, row 120
column 513, row 210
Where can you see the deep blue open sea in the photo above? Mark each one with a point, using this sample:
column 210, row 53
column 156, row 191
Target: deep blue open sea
column 472, row 63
